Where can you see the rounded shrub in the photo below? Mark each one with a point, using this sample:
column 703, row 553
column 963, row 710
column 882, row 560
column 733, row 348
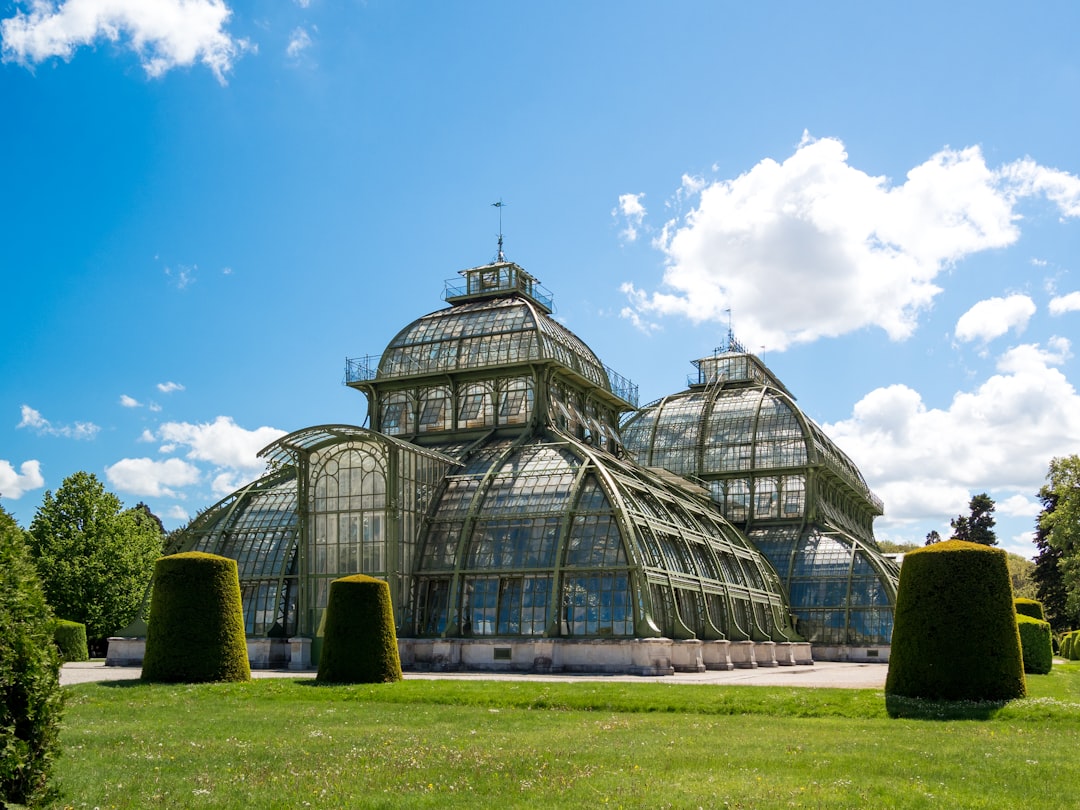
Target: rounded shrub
column 1035, row 643
column 1069, row 646
column 195, row 631
column 954, row 633
column 70, row 638
column 359, row 641
column 31, row 702
column 1030, row 607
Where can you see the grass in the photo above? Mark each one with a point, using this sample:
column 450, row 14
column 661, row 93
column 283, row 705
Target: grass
column 438, row 743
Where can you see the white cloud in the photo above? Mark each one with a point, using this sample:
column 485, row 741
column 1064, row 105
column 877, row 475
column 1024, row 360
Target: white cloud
column 926, row 463
column 183, row 276
column 813, row 247
column 633, row 211
column 1018, row 506
column 299, row 41
column 33, row 420
column 13, row 484
column 129, row 402
column 169, row 387
column 221, row 442
column 994, row 317
column 1065, row 303
column 164, row 33
column 177, row 513
column 145, row 476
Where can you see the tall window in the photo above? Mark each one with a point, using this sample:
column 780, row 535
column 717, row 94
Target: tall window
column 434, row 409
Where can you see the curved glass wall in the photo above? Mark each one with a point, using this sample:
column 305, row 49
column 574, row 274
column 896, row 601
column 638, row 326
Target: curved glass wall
column 258, row 526
column 842, row 592
column 551, row 538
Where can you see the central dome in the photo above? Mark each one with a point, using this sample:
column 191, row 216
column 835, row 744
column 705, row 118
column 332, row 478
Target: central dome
column 487, row 333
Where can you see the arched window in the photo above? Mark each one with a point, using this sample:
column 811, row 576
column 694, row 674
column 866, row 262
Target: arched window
column 397, row 414
column 516, row 401
column 475, row 406
column 434, row 409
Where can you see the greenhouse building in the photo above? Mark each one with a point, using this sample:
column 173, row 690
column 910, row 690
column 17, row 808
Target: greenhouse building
column 527, row 515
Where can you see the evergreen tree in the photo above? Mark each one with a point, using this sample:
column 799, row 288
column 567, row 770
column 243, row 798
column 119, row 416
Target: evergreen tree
column 1047, row 575
column 932, row 537
column 95, row 559
column 978, row 527
column 1059, row 529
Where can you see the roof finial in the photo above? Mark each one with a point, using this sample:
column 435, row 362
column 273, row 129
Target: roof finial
column 500, row 256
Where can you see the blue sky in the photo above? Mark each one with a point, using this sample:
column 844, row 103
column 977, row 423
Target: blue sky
column 208, row 205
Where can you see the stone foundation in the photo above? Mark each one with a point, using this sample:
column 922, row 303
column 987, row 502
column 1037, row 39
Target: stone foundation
column 851, row 654
column 640, row 656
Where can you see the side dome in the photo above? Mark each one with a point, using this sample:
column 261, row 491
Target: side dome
column 778, row 477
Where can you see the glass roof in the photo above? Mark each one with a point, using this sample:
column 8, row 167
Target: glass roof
column 485, row 333
column 717, row 430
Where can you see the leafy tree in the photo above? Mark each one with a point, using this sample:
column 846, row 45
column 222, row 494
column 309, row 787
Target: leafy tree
column 978, row 527
column 95, row 559
column 889, row 547
column 1049, row 582
column 31, row 701
column 1021, row 570
column 933, row 537
column 1059, row 525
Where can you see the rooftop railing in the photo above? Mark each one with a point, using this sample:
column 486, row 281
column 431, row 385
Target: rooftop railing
column 366, row 368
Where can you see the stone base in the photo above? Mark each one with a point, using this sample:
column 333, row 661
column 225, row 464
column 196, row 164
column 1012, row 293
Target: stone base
column 852, row 654
column 125, row 652
column 765, row 653
column 268, row 653
column 742, row 655
column 639, row 656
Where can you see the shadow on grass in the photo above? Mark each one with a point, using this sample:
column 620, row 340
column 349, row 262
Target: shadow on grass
column 124, row 684
column 909, row 708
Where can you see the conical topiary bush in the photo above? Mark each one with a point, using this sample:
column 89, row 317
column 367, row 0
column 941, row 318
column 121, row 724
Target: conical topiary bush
column 954, row 634
column 359, row 641
column 195, row 632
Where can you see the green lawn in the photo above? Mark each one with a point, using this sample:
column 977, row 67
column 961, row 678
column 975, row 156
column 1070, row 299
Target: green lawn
column 496, row 744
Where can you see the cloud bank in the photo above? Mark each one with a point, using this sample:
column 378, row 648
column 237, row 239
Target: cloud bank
column 220, row 452
column 165, row 34
column 925, row 463
column 814, row 247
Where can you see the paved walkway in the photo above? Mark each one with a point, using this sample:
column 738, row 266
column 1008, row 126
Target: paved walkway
column 823, row 673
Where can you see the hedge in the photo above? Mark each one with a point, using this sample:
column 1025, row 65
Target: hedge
column 1035, row 641
column 1030, row 607
column 359, row 641
column 31, row 700
column 955, row 635
column 195, row 631
column 70, row 638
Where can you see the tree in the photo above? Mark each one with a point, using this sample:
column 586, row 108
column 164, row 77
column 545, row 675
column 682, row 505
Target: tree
column 95, row 559
column 1059, row 525
column 31, row 701
column 1021, row 570
column 979, row 526
column 1049, row 582
column 933, row 537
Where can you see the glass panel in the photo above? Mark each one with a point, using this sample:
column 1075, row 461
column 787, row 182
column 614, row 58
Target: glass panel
column 597, row 605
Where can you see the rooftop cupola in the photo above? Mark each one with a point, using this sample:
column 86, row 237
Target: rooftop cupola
column 497, row 280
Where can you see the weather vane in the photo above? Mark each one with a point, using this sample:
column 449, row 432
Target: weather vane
column 500, row 257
